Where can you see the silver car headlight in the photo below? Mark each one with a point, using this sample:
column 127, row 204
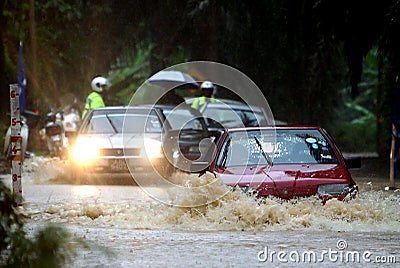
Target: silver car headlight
column 335, row 189
column 152, row 148
column 85, row 150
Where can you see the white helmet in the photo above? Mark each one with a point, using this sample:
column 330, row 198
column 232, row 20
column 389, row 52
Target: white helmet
column 207, row 85
column 98, row 83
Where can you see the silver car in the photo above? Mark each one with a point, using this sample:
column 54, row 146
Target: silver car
column 230, row 114
column 116, row 141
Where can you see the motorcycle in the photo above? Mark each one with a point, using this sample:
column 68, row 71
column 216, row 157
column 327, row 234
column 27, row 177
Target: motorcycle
column 53, row 133
column 59, row 130
column 71, row 122
column 28, row 119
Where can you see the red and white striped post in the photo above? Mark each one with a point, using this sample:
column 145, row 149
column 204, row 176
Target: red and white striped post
column 16, row 141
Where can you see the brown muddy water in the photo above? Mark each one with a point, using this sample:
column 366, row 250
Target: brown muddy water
column 127, row 228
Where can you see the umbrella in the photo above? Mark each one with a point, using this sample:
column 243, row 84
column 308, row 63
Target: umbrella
column 173, row 79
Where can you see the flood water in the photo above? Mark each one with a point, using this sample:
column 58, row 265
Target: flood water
column 237, row 230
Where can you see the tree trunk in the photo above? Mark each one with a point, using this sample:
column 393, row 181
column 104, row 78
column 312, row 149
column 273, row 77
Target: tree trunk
column 34, row 90
column 3, row 82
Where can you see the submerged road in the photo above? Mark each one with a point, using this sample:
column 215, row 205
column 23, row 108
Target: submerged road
column 235, row 231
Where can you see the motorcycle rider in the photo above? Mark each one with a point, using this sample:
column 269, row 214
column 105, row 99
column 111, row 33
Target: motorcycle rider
column 99, row 85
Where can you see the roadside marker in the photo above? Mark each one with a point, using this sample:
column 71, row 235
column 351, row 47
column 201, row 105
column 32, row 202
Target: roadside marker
column 16, row 141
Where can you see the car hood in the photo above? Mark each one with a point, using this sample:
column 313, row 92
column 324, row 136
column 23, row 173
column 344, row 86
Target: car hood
column 285, row 181
column 119, row 140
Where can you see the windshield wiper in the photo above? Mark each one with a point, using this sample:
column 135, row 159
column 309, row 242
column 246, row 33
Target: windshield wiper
column 266, row 156
column 225, row 153
column 111, row 123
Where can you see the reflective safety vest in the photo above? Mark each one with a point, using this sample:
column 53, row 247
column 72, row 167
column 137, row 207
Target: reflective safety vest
column 94, row 100
column 200, row 101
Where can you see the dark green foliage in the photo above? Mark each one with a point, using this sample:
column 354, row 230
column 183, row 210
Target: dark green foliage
column 354, row 138
column 128, row 72
column 301, row 54
column 11, row 226
column 51, row 247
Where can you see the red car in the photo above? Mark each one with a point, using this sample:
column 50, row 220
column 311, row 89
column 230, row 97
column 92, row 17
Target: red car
column 284, row 161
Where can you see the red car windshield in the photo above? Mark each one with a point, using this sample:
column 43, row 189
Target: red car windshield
column 281, row 146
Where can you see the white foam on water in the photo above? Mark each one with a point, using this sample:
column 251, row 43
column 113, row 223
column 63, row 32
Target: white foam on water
column 40, row 169
column 372, row 210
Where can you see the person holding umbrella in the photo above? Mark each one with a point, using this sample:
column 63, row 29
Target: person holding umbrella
column 171, row 98
column 172, row 81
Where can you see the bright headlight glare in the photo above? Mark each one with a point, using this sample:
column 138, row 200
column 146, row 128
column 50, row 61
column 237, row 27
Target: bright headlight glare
column 84, row 150
column 152, row 148
column 334, row 189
